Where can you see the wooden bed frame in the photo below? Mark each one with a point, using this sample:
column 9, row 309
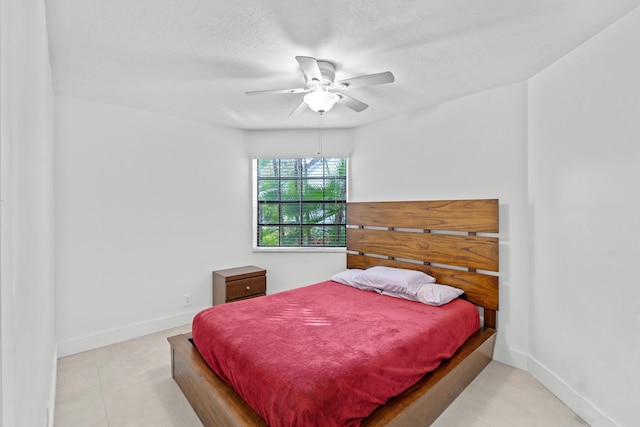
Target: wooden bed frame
column 455, row 241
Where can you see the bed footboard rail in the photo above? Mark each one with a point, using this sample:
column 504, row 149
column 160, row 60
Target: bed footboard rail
column 423, row 403
column 214, row 401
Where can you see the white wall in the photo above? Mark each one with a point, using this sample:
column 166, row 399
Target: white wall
column 146, row 207
column 299, row 143
column 474, row 147
column 584, row 173
column 26, row 218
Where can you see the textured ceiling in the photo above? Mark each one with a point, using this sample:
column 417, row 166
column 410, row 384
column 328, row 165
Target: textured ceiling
column 196, row 58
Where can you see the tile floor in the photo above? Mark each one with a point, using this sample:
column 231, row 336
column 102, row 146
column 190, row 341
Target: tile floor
column 129, row 384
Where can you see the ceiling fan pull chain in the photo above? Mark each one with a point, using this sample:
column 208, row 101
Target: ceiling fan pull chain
column 320, row 134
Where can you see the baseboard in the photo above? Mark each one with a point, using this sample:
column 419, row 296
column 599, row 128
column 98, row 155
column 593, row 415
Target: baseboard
column 51, row 404
column 578, row 404
column 514, row 358
column 113, row 336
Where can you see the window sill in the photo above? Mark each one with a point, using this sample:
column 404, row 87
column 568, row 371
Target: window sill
column 299, row 249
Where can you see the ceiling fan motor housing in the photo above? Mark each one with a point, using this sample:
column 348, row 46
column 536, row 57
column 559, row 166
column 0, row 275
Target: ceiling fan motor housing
column 328, row 72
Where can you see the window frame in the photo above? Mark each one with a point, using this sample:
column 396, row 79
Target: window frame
column 254, row 175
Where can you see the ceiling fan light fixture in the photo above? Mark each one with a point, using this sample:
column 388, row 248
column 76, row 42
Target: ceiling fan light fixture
column 321, row 101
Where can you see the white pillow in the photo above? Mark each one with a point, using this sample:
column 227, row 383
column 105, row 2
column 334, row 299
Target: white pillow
column 392, row 279
column 401, row 295
column 430, row 294
column 347, row 277
column 436, row 294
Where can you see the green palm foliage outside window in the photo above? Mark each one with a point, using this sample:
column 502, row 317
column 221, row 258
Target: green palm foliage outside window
column 301, row 202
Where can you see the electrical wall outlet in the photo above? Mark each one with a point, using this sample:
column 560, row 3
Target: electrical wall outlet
column 187, row 300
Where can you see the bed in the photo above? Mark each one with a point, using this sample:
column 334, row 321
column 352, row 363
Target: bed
column 454, row 241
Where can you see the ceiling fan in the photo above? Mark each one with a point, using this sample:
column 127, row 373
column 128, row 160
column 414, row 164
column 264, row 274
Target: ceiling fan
column 322, row 92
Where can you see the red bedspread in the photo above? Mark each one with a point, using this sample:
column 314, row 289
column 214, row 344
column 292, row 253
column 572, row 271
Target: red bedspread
column 327, row 354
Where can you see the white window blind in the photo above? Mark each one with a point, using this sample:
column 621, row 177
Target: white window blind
column 300, row 202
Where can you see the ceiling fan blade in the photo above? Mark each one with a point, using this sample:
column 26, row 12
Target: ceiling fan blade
column 263, row 92
column 371, row 79
column 352, row 103
column 310, row 68
column 299, row 109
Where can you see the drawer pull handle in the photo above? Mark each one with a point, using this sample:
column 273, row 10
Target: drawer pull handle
column 248, row 288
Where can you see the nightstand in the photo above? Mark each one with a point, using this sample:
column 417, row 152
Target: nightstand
column 234, row 284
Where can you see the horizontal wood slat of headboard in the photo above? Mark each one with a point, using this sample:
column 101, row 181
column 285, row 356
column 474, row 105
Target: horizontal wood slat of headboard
column 480, row 289
column 475, row 252
column 479, row 216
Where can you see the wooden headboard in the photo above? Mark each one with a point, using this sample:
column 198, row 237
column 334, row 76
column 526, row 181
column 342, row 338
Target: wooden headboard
column 454, row 241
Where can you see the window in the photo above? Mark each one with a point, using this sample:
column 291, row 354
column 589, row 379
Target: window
column 300, row 202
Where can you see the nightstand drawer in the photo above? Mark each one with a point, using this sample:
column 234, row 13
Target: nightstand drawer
column 246, row 287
